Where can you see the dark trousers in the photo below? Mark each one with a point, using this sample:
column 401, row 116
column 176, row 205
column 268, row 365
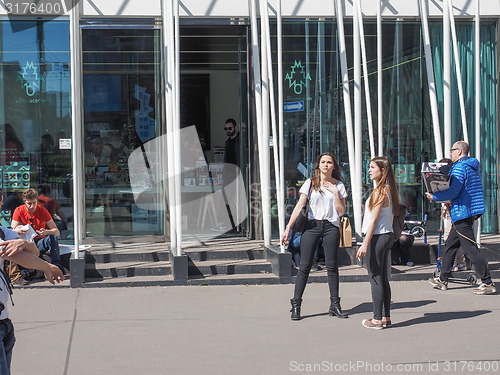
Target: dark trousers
column 456, row 239
column 378, row 258
column 316, row 229
column 7, row 340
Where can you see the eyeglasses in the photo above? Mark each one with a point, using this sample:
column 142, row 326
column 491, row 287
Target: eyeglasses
column 453, row 149
column 226, row 129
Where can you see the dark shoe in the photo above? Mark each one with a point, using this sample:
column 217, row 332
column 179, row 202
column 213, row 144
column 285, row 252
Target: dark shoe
column 296, row 303
column 335, row 308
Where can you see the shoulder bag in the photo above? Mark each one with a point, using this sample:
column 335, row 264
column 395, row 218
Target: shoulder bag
column 345, row 232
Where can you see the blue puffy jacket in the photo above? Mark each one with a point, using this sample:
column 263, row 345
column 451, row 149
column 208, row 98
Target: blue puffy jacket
column 466, row 189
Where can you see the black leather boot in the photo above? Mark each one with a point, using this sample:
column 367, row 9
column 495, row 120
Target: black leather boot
column 296, row 309
column 335, row 308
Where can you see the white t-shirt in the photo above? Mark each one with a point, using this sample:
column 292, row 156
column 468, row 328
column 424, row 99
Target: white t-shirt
column 4, row 290
column 322, row 206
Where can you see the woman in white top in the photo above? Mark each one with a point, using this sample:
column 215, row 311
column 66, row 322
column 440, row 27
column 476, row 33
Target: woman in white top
column 326, row 205
column 380, row 209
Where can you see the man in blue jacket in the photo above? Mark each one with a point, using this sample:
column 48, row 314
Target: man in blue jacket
column 467, row 205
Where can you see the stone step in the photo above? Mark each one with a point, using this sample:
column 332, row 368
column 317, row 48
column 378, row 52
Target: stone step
column 226, row 254
column 124, row 256
column 126, row 269
column 229, row 267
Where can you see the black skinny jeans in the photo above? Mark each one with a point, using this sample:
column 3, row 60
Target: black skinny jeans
column 454, row 241
column 378, row 258
column 316, row 229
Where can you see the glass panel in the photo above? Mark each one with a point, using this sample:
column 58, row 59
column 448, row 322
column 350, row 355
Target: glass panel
column 121, row 91
column 35, row 113
column 311, row 102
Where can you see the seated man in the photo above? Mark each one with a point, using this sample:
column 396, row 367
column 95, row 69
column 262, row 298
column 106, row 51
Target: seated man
column 24, row 253
column 39, row 218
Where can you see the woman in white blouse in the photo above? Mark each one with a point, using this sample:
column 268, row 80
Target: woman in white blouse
column 380, row 209
column 326, row 205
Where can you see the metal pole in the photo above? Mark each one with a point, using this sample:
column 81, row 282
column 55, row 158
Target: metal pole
column 358, row 121
column 258, row 97
column 168, row 57
column 430, row 78
column 477, row 46
column 356, row 200
column 446, row 79
column 266, row 167
column 458, row 72
column 380, row 103
column 359, row 15
column 177, row 127
column 277, row 166
column 281, row 137
column 76, row 127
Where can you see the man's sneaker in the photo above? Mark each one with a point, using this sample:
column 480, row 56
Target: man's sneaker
column 438, row 284
column 369, row 323
column 20, row 281
column 485, row 289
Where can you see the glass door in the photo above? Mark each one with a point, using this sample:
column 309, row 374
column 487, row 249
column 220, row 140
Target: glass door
column 122, row 113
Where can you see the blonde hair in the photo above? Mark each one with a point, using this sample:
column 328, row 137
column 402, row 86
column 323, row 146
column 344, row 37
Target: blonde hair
column 386, row 185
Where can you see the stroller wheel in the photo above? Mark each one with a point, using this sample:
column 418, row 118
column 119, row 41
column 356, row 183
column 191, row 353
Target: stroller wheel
column 471, row 279
column 437, row 272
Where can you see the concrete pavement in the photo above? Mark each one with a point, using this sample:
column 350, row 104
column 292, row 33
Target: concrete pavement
column 247, row 330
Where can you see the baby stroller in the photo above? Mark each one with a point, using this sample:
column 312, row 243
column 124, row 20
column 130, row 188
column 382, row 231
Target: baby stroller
column 470, row 279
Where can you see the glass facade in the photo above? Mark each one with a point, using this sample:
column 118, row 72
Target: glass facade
column 121, row 104
column 123, row 100
column 35, row 114
column 314, row 110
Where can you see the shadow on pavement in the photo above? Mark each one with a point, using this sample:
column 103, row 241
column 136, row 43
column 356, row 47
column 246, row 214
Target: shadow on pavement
column 368, row 306
column 441, row 317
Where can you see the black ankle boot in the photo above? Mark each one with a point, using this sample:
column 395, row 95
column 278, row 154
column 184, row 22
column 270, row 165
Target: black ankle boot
column 296, row 309
column 335, row 308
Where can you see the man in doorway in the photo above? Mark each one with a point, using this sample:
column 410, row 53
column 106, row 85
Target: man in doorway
column 232, row 145
column 467, row 205
column 39, row 218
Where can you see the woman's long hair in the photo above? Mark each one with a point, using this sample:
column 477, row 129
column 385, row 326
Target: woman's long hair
column 336, row 173
column 386, row 184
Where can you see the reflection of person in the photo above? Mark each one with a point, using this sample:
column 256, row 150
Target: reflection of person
column 52, row 206
column 380, row 209
column 11, row 143
column 39, row 218
column 24, row 253
column 231, row 147
column 467, row 205
column 326, row 205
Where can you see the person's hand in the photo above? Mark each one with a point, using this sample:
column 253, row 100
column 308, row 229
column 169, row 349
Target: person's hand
column 362, row 251
column 11, row 247
column 19, row 230
column 53, row 274
column 429, row 196
column 284, row 237
column 41, row 232
column 330, row 187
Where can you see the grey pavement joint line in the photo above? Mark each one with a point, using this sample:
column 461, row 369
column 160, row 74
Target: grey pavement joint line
column 70, row 341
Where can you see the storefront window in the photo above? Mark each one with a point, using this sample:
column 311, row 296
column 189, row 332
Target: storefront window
column 314, row 111
column 35, row 114
column 122, row 94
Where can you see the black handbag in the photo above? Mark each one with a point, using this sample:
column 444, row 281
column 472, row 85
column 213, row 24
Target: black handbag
column 301, row 222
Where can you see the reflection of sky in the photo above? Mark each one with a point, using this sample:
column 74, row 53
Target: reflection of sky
column 23, row 46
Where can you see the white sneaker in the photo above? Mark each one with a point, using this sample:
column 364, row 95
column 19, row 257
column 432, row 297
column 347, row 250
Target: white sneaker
column 485, row 289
